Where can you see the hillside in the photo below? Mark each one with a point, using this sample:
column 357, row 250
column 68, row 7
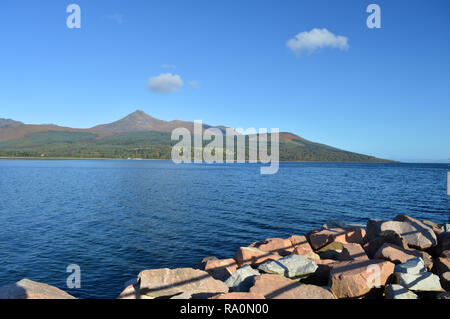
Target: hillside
column 138, row 135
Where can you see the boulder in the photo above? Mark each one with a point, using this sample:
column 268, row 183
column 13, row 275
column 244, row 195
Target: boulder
column 282, row 247
column 446, row 228
column 302, row 247
column 343, row 235
column 311, row 255
column 292, row 266
column 300, row 242
column 422, row 282
column 431, row 223
column 166, row 283
column 242, row 279
column 321, row 275
column 331, row 251
column 386, row 237
column 393, row 253
column 353, row 279
column 253, row 256
column 337, row 246
column 414, row 266
column 28, row 289
column 426, row 257
column 353, row 252
column 399, row 292
column 221, row 269
column 239, row 295
column 443, row 244
column 416, row 234
column 130, row 292
column 445, row 280
column 202, row 264
column 436, row 228
column 441, row 266
column 279, row 287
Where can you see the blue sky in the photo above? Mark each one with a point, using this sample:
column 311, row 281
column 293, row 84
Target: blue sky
column 386, row 94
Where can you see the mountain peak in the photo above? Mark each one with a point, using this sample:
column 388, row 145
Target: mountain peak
column 136, row 121
column 138, row 114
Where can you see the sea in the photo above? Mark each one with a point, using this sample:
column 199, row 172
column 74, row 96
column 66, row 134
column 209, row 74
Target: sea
column 114, row 218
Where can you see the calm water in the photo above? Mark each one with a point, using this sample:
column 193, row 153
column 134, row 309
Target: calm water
column 116, row 218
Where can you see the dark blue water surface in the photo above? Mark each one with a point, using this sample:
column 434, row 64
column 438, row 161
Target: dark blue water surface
column 116, row 218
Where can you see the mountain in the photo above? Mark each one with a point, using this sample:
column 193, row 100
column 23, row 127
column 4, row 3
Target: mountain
column 139, row 135
column 135, row 122
column 139, row 121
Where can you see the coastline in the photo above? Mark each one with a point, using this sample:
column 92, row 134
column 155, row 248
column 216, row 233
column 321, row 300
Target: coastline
column 400, row 259
column 155, row 159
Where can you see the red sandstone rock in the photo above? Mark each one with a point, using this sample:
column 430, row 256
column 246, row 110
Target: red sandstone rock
column 437, row 230
column 28, row 289
column 389, row 237
column 441, row 266
column 130, row 292
column 239, row 295
column 171, row 282
column 310, row 254
column 278, row 246
column 341, row 235
column 352, row 279
column 253, row 256
column 280, row 287
column 393, row 253
column 353, row 252
column 221, row 269
column 300, row 242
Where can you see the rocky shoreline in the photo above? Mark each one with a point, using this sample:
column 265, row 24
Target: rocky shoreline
column 400, row 259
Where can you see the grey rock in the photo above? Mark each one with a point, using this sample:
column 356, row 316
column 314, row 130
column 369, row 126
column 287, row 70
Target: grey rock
column 416, row 234
column 446, row 228
column 290, row 266
column 422, row 282
column 413, row 266
column 399, row 292
column 242, row 279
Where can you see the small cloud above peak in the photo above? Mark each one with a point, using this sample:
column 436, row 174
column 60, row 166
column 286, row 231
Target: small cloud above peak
column 310, row 41
column 165, row 83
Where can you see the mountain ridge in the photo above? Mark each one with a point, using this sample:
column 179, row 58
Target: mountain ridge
column 139, row 130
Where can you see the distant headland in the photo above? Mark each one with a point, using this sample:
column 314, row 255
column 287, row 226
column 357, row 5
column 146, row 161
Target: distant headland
column 138, row 136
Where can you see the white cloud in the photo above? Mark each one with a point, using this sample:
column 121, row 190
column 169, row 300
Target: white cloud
column 194, row 84
column 316, row 39
column 165, row 83
column 168, row 66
